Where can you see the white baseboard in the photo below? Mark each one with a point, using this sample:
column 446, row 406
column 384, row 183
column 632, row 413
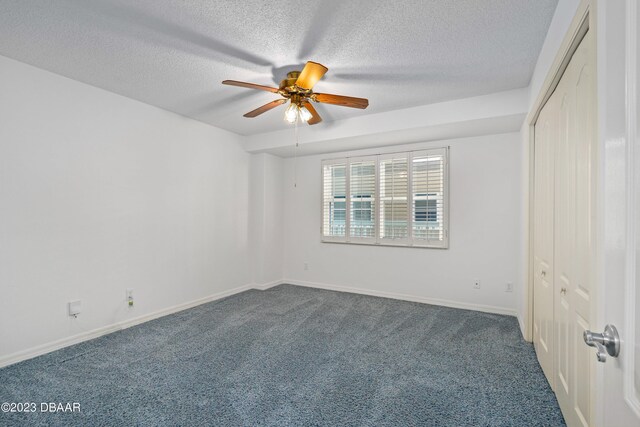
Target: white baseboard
column 405, row 297
column 265, row 286
column 523, row 329
column 95, row 333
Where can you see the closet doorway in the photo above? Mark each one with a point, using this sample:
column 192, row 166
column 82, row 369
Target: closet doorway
column 564, row 230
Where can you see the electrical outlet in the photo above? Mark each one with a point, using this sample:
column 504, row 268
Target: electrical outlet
column 130, row 297
column 508, row 287
column 476, row 284
column 74, row 308
column 306, row 265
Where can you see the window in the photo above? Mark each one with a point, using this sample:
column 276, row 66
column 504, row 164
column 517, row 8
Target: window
column 425, row 209
column 362, row 188
column 428, row 196
column 339, row 211
column 334, row 199
column 395, row 199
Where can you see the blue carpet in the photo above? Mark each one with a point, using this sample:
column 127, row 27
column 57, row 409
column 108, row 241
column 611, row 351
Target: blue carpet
column 293, row 356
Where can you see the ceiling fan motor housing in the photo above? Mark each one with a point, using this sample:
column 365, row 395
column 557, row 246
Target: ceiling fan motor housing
column 289, row 89
column 297, row 88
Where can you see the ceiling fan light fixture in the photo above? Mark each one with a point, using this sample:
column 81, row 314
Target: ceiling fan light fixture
column 291, row 113
column 297, row 90
column 305, row 115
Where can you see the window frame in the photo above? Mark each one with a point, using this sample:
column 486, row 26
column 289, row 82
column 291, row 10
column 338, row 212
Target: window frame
column 403, row 241
column 431, row 243
column 332, row 162
column 360, row 239
column 410, row 240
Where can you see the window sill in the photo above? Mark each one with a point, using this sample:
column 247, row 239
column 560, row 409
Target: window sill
column 444, row 245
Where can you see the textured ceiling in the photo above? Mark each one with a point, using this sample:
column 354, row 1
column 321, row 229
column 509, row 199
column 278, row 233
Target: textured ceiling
column 174, row 53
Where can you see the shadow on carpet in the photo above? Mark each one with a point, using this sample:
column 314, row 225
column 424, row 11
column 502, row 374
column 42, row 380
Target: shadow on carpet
column 294, row 356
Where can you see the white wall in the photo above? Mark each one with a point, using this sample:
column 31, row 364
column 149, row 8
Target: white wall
column 266, row 224
column 496, row 113
column 560, row 23
column 99, row 193
column 485, row 233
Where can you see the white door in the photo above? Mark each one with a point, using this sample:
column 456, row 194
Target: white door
column 546, row 133
column 618, row 380
column 564, row 234
column 574, row 233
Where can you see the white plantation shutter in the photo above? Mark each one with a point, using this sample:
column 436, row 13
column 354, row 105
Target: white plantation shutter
column 392, row 199
column 393, row 183
column 362, row 199
column 428, row 217
column 334, row 200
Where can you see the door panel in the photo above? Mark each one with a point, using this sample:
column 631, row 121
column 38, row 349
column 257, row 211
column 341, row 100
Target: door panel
column 574, row 255
column 619, row 295
column 543, row 242
column 564, row 239
column 582, row 403
column 564, row 235
column 584, row 255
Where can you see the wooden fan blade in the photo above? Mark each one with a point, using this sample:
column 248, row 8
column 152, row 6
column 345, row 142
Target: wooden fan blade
column 345, row 101
column 315, row 117
column 311, row 73
column 265, row 108
column 250, row 85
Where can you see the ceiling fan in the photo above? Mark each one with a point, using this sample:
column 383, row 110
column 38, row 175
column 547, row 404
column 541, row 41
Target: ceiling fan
column 298, row 89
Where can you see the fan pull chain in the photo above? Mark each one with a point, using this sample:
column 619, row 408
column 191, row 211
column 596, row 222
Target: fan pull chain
column 295, row 155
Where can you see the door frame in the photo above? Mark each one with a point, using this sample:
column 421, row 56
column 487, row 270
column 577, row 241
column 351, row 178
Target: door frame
column 583, row 21
column 619, row 91
column 632, row 65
